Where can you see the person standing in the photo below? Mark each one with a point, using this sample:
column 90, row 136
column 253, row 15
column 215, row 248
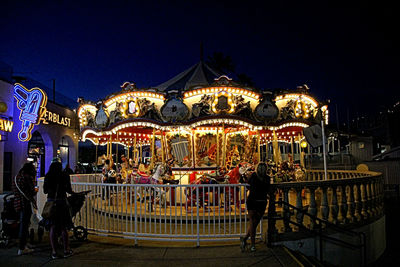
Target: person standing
column 256, row 203
column 56, row 184
column 68, row 170
column 23, row 186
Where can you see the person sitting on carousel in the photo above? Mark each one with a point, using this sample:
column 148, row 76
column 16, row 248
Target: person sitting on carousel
column 285, row 172
column 191, row 192
column 169, row 165
column 109, row 177
column 119, row 179
column 106, row 168
column 168, row 175
column 124, row 167
column 142, row 170
column 299, row 173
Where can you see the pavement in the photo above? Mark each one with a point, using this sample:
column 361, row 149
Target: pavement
column 107, row 251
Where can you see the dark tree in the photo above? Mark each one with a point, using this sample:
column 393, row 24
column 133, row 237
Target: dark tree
column 221, row 63
column 224, row 65
column 244, row 79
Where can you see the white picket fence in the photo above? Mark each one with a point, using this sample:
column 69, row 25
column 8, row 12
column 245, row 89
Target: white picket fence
column 172, row 213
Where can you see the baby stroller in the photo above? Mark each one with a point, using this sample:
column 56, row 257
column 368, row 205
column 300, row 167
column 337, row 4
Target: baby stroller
column 76, row 202
column 10, row 223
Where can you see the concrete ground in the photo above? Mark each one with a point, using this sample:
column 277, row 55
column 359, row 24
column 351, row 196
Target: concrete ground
column 105, row 251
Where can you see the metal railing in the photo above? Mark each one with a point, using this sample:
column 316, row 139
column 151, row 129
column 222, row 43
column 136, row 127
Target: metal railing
column 183, row 213
column 217, row 212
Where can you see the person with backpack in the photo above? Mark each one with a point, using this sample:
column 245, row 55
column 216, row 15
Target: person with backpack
column 56, row 185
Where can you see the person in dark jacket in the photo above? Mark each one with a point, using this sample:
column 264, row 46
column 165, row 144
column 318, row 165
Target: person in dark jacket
column 256, row 203
column 23, row 186
column 56, row 185
column 68, row 170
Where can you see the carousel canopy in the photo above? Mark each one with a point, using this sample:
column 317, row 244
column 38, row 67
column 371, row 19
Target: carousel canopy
column 198, row 100
column 199, row 74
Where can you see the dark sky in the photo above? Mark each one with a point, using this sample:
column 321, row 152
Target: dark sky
column 347, row 54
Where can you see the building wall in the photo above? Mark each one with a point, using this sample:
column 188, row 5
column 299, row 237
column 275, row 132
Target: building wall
column 8, row 99
column 390, row 170
column 361, row 148
column 51, row 133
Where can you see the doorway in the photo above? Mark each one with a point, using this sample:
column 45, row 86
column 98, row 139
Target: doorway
column 36, row 152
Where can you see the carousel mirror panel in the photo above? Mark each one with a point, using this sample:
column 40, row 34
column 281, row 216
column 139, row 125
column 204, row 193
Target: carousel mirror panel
column 235, row 150
column 157, row 150
column 241, row 148
column 179, row 149
column 252, row 149
column 206, row 150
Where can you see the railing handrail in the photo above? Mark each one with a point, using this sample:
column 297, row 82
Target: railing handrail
column 328, row 223
column 337, row 228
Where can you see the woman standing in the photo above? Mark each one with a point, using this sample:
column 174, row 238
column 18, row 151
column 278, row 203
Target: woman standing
column 24, row 195
column 56, row 184
column 256, row 203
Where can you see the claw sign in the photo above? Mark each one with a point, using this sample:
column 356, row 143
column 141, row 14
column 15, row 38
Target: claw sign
column 32, row 104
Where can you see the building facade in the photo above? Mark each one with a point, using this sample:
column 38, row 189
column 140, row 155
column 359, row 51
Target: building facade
column 54, row 133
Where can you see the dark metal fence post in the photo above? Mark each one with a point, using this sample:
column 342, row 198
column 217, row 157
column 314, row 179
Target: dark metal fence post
column 272, row 231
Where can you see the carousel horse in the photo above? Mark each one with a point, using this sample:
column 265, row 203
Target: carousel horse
column 218, row 177
column 231, row 194
column 154, row 194
column 201, row 194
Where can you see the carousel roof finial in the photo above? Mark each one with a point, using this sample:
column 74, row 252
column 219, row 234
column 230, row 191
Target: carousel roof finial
column 128, row 86
column 201, row 51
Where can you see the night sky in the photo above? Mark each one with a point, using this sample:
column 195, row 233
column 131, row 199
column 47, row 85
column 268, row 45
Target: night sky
column 348, row 55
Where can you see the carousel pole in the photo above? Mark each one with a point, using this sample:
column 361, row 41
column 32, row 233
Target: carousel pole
column 258, row 147
column 248, row 150
column 127, row 145
column 301, row 153
column 324, row 149
column 223, row 145
column 116, row 151
column 141, row 151
column 153, row 142
column 193, row 148
column 275, row 147
column 97, row 144
column 217, row 146
column 111, row 158
column 107, row 148
column 162, row 147
column 134, row 150
column 292, row 147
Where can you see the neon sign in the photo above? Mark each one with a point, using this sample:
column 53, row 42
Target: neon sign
column 6, row 125
column 32, row 104
column 53, row 117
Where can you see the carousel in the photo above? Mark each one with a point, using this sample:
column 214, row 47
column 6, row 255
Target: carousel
column 200, row 124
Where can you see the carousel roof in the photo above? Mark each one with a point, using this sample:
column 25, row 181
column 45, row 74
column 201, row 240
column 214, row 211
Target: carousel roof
column 199, row 74
column 198, row 98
